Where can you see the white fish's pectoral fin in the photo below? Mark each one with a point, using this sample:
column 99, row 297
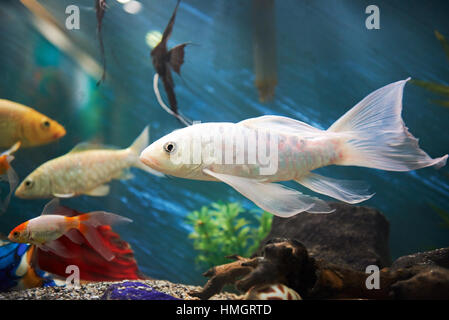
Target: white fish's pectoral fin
column 344, row 190
column 57, row 248
column 75, row 236
column 272, row 197
column 63, row 195
column 99, row 191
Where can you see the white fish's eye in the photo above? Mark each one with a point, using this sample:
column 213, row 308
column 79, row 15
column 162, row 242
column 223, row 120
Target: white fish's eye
column 29, row 184
column 170, row 147
column 16, row 234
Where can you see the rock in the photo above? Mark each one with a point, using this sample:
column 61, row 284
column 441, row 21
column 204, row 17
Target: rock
column 438, row 257
column 352, row 235
column 132, row 290
column 431, row 283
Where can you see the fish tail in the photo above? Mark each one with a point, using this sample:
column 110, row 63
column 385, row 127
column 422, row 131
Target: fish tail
column 375, row 135
column 10, row 175
column 141, row 142
column 87, row 225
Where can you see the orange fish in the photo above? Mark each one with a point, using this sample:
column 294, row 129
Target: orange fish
column 8, row 174
column 24, row 124
column 53, row 223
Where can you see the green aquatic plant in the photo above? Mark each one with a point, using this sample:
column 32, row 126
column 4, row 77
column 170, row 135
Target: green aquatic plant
column 438, row 88
column 443, row 215
column 224, row 229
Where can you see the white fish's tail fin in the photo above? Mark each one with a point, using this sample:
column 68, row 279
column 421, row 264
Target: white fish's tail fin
column 376, row 136
column 141, row 142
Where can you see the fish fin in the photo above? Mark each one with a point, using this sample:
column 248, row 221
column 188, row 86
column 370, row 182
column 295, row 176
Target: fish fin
column 57, row 248
column 13, row 179
column 169, row 27
column 272, row 197
column 101, row 218
column 75, row 236
column 99, row 191
column 52, row 207
column 161, row 102
column 64, row 195
column 96, row 242
column 282, row 125
column 375, row 135
column 141, row 142
column 13, row 149
column 344, row 190
column 138, row 146
column 176, row 57
column 85, row 146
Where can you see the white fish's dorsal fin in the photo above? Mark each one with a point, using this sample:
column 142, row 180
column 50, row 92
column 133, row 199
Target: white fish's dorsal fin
column 54, row 208
column 85, row 146
column 282, row 125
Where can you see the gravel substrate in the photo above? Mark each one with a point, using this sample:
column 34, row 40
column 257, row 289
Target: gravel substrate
column 95, row 290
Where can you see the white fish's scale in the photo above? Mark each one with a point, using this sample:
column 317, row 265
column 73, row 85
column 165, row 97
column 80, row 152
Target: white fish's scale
column 48, row 227
column 296, row 155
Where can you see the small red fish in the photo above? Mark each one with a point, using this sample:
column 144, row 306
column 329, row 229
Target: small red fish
column 54, row 223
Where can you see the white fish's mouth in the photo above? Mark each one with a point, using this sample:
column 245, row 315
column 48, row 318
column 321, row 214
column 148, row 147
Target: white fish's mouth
column 152, row 163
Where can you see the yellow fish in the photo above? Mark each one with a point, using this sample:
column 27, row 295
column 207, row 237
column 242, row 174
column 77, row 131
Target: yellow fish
column 85, row 170
column 24, row 124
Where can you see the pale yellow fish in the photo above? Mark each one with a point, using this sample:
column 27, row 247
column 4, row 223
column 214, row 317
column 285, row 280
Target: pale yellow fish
column 372, row 134
column 26, row 125
column 85, row 170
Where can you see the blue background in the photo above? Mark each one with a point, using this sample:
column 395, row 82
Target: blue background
column 327, row 61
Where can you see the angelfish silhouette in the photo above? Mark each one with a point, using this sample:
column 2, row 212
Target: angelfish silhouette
column 164, row 61
column 100, row 9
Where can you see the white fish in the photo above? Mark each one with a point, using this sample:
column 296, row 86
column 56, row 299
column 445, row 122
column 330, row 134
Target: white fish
column 372, row 134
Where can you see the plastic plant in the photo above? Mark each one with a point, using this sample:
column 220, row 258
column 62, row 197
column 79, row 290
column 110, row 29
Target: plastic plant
column 437, row 87
column 225, row 229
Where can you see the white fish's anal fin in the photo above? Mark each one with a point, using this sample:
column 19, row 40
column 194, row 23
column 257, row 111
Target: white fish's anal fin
column 75, row 236
column 274, row 198
column 64, row 195
column 99, row 191
column 344, row 190
column 57, row 248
